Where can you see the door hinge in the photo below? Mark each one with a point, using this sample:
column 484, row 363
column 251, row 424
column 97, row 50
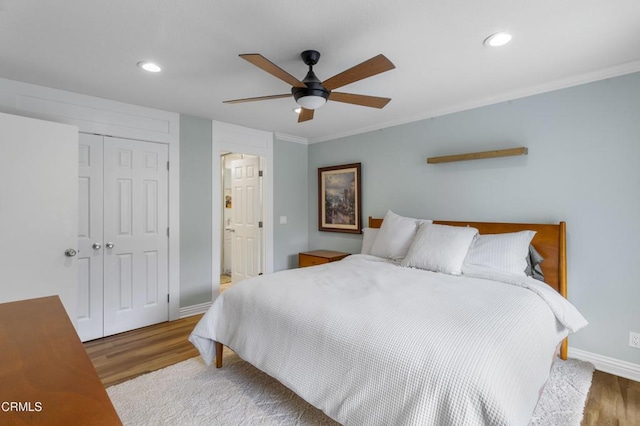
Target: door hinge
column 167, row 165
column 260, row 173
column 167, row 232
column 167, row 297
column 260, row 224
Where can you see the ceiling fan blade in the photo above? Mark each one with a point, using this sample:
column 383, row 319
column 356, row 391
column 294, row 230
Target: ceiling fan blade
column 259, row 98
column 268, row 66
column 364, row 100
column 369, row 68
column 305, row 115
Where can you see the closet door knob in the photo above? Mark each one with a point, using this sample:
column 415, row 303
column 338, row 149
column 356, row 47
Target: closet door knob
column 109, row 245
column 96, row 246
column 70, row 252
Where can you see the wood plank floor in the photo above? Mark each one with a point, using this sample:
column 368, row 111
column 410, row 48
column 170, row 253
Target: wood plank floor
column 127, row 355
column 612, row 400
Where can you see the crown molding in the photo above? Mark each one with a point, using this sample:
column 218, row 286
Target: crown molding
column 291, row 138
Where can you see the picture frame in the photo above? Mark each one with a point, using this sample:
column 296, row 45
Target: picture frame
column 339, row 195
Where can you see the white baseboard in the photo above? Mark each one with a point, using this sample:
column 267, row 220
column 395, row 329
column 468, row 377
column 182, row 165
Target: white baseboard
column 609, row 365
column 189, row 311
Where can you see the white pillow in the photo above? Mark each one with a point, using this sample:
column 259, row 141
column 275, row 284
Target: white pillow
column 440, row 248
column 395, row 236
column 368, row 237
column 506, row 252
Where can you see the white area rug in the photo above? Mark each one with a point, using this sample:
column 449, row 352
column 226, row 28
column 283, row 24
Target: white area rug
column 190, row 393
column 564, row 396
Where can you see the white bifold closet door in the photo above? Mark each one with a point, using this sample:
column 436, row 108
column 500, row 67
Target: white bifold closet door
column 123, row 235
column 90, row 237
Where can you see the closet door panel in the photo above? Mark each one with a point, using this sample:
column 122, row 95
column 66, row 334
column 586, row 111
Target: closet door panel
column 90, row 237
column 135, row 230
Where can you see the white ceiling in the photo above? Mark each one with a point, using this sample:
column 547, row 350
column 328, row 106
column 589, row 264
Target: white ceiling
column 92, row 47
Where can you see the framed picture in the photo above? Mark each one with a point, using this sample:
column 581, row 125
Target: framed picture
column 339, row 199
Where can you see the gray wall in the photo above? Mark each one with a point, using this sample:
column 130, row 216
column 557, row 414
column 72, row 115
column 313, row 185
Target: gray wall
column 290, row 200
column 582, row 167
column 195, row 210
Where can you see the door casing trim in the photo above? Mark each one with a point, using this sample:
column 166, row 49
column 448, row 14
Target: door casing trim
column 231, row 138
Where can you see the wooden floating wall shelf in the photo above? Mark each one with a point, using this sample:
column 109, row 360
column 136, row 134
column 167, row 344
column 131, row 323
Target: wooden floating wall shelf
column 510, row 152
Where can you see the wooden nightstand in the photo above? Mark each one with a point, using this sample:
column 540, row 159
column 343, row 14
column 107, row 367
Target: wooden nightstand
column 318, row 257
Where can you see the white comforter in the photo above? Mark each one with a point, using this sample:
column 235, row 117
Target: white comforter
column 372, row 343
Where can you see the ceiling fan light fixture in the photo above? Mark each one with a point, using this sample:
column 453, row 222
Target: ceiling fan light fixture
column 149, row 66
column 498, row 39
column 311, row 101
column 312, row 97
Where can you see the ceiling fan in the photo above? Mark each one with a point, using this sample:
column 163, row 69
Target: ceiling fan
column 311, row 93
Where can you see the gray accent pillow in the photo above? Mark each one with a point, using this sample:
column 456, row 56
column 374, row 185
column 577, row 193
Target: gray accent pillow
column 533, row 268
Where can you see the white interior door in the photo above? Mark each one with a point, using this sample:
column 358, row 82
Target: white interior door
column 90, row 237
column 136, row 234
column 245, row 243
column 38, row 210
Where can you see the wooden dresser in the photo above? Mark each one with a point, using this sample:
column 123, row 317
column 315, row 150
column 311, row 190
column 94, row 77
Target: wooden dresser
column 318, row 257
column 46, row 376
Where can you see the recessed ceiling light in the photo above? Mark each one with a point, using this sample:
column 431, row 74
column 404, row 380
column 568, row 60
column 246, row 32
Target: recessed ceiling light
column 497, row 39
column 149, row 66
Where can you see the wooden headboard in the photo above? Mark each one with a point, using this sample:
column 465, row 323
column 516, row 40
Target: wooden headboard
column 550, row 241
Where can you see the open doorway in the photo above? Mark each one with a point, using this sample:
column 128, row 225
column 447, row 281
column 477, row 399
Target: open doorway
column 242, row 218
column 229, row 138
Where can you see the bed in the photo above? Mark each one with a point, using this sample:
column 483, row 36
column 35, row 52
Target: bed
column 374, row 340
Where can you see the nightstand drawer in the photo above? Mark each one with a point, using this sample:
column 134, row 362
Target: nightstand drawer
column 308, row 260
column 318, row 257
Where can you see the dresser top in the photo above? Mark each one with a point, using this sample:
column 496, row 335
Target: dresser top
column 45, row 368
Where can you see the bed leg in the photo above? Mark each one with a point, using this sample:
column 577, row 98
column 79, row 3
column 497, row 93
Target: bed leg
column 219, row 355
column 563, row 349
